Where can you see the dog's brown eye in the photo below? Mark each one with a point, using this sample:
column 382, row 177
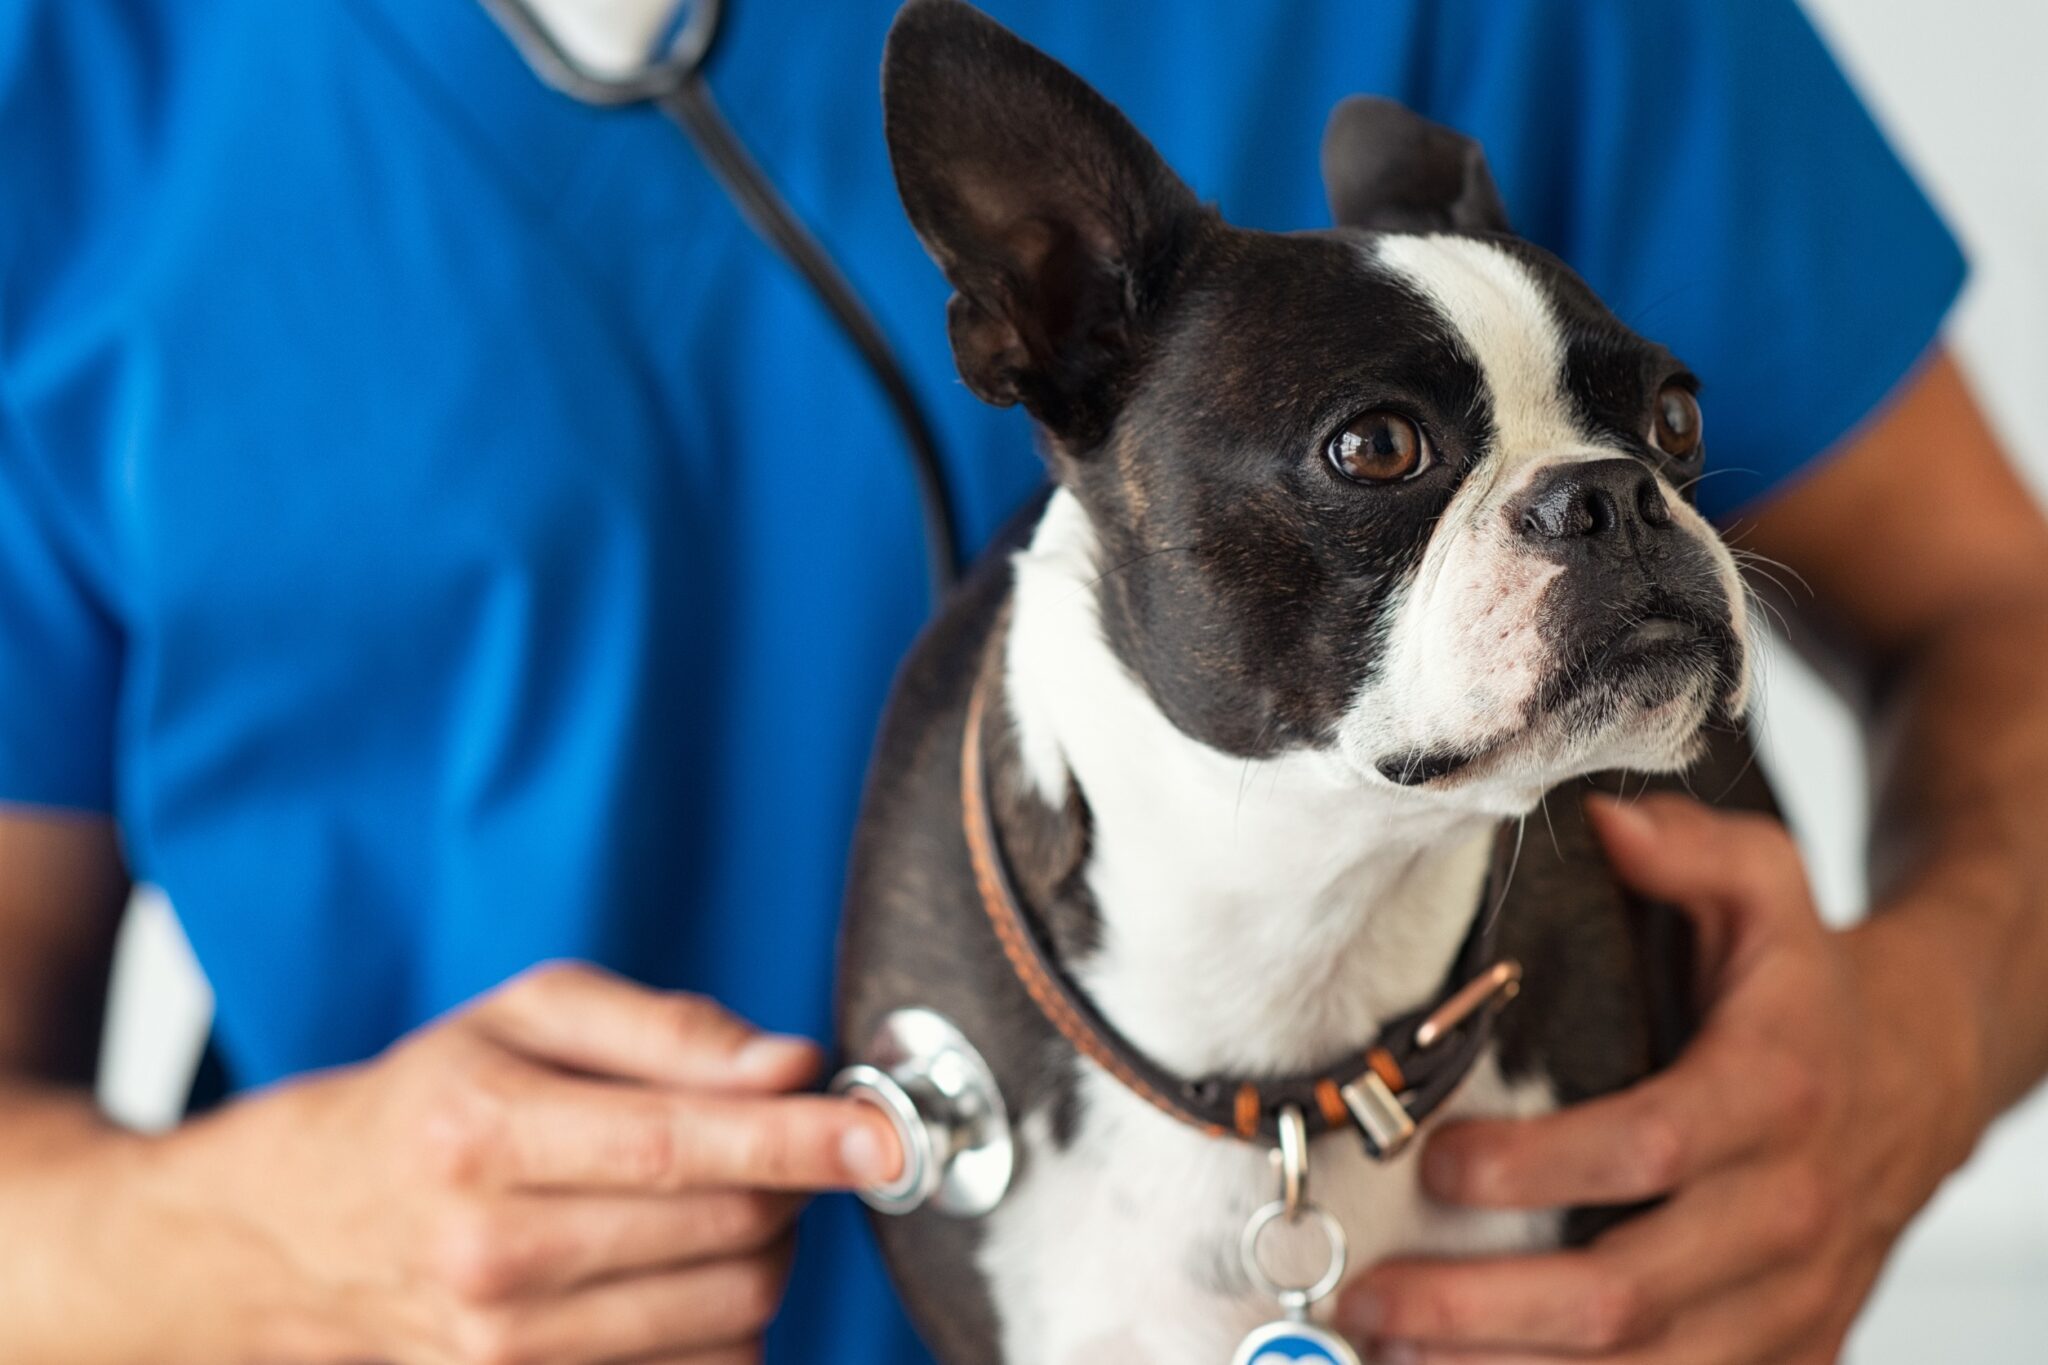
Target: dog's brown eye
column 1379, row 447
column 1676, row 431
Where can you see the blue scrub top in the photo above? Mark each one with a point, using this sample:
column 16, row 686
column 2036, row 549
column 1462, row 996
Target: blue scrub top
column 445, row 539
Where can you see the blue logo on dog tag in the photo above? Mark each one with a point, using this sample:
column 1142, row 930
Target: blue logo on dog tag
column 1294, row 1343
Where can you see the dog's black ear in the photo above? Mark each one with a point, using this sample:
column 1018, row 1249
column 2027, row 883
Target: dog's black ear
column 1055, row 220
column 1388, row 168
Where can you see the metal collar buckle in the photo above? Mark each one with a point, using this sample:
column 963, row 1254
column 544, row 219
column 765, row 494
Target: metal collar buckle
column 1384, row 1121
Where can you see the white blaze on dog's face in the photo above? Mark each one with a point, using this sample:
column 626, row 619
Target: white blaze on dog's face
column 1404, row 495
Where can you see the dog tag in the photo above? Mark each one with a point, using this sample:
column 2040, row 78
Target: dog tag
column 1293, row 1342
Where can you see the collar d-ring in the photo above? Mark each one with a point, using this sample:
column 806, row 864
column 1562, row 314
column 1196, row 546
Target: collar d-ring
column 1293, row 1158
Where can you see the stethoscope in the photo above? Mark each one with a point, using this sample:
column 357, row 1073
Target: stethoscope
column 918, row 1068
column 672, row 80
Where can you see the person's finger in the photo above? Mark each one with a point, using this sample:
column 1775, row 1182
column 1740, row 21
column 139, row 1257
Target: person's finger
column 714, row 1306
column 521, row 1245
column 1619, row 1293
column 1716, row 865
column 541, row 1131
column 1769, row 1321
column 583, row 1018
column 1721, row 1099
column 1764, row 1322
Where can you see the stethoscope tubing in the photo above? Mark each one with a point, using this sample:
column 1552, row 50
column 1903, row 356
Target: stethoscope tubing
column 676, row 85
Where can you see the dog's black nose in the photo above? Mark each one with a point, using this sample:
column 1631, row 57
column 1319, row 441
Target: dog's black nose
column 1593, row 503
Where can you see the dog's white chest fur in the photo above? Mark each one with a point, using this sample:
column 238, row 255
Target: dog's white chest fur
column 1256, row 917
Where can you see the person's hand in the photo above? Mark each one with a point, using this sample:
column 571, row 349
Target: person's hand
column 572, row 1169
column 1824, row 1099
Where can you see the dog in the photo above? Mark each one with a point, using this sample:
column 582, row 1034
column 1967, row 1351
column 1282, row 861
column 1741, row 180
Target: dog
column 1359, row 542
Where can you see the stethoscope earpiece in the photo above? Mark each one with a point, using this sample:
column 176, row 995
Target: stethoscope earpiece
column 947, row 1110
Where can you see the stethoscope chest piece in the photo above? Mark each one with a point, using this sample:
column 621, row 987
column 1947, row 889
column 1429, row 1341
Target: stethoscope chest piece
column 948, row 1114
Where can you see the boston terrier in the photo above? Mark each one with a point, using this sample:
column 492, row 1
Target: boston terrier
column 1200, row 809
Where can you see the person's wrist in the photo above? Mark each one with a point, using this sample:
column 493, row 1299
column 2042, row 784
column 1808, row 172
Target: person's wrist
column 84, row 1206
column 205, row 1199
column 1925, row 1031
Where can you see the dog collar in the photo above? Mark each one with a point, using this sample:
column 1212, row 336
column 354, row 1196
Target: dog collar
column 1384, row 1091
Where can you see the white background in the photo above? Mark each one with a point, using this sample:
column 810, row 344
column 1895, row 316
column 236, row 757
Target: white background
column 1959, row 87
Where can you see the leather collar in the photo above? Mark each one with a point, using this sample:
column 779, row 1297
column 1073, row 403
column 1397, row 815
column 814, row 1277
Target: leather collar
column 1384, row 1090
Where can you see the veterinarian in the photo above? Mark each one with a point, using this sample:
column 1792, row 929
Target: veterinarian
column 436, row 539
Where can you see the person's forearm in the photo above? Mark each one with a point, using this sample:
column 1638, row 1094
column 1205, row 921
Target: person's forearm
column 1959, row 850
column 56, row 1152
column 100, row 1264
column 41, row 1122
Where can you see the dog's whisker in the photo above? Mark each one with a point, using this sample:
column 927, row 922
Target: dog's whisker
column 1550, row 824
column 1696, row 480
column 1136, row 559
